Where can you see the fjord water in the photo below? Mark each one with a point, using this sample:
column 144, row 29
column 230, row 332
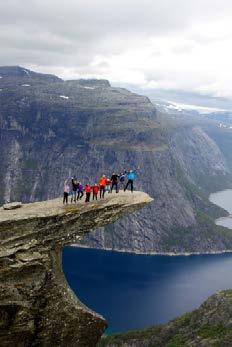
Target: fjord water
column 224, row 200
column 135, row 291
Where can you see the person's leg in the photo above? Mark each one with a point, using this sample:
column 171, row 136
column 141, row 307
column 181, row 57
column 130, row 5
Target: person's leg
column 116, row 186
column 102, row 192
column 112, row 186
column 75, row 196
column 81, row 195
column 72, row 196
column 132, row 186
column 64, row 198
column 86, row 197
column 126, row 185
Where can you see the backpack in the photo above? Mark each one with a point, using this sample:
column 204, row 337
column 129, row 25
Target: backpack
column 122, row 178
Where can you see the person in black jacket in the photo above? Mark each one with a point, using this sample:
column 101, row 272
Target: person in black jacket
column 75, row 185
column 114, row 180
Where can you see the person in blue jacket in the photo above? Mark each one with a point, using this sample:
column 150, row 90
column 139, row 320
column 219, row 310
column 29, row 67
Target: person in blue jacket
column 131, row 175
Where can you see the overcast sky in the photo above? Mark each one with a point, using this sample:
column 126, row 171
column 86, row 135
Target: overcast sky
column 164, row 44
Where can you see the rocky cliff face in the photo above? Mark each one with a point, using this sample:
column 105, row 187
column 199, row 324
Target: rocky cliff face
column 51, row 129
column 37, row 308
column 208, row 326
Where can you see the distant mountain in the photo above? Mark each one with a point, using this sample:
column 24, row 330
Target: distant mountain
column 189, row 99
column 222, row 117
column 180, row 108
column 11, row 72
column 51, row 129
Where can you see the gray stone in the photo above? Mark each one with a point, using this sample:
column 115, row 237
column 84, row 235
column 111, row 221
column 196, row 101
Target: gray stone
column 12, row 205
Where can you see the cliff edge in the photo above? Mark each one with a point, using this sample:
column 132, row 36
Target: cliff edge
column 37, row 307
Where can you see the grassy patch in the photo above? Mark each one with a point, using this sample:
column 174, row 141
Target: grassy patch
column 184, row 319
column 118, row 339
column 179, row 340
column 212, row 332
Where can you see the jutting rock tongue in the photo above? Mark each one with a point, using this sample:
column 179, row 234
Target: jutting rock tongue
column 37, row 307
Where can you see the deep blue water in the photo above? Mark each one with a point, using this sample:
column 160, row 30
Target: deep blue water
column 135, row 291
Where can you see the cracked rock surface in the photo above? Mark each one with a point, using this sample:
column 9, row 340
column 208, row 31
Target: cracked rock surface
column 37, row 307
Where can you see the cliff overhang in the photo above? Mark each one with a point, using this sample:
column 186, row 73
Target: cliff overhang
column 37, row 307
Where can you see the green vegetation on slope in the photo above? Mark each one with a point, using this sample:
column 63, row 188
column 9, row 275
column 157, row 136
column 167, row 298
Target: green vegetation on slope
column 120, row 338
column 206, row 326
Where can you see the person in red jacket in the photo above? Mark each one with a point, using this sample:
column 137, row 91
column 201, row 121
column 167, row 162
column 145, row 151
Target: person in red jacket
column 95, row 190
column 87, row 192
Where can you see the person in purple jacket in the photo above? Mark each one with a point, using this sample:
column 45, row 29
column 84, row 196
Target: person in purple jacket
column 80, row 191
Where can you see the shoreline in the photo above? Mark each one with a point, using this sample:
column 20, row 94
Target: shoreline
column 168, row 254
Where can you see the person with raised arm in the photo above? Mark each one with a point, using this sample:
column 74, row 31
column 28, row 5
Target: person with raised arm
column 75, row 184
column 131, row 175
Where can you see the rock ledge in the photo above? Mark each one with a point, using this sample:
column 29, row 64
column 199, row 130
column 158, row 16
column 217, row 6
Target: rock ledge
column 37, row 307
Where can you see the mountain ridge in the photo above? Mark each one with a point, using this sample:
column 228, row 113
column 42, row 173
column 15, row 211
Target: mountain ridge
column 50, row 130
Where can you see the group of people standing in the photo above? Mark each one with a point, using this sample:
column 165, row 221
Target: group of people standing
column 76, row 189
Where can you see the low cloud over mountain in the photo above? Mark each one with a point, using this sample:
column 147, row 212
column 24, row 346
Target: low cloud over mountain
column 168, row 44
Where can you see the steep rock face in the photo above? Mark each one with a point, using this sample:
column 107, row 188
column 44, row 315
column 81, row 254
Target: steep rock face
column 175, row 221
column 50, row 130
column 37, row 308
column 208, row 326
column 197, row 153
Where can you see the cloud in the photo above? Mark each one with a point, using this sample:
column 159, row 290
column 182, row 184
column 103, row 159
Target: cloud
column 165, row 44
